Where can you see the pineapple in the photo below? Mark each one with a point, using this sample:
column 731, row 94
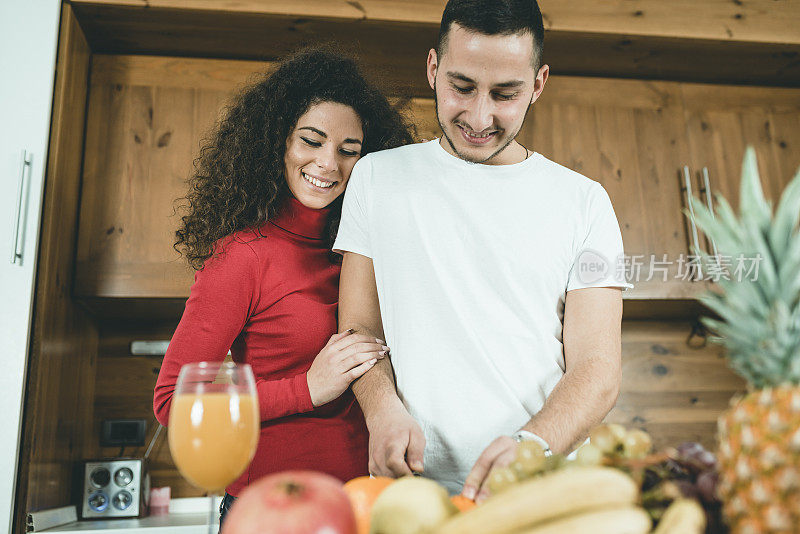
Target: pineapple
column 759, row 436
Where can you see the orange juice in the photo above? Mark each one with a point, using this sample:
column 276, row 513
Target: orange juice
column 213, row 436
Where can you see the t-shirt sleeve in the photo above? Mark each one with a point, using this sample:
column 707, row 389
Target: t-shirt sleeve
column 354, row 235
column 599, row 260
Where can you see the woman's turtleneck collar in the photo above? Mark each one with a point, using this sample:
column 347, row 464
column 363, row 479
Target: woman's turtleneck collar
column 298, row 219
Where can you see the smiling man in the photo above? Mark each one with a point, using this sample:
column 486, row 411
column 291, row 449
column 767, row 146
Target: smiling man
column 488, row 269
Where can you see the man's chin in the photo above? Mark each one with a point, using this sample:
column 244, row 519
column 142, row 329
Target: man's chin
column 475, row 154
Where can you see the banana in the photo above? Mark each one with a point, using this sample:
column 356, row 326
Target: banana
column 527, row 503
column 684, row 516
column 625, row 520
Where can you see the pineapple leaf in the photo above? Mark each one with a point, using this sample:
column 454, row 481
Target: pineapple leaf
column 759, row 317
column 786, row 217
column 766, row 266
column 723, row 229
column 752, row 205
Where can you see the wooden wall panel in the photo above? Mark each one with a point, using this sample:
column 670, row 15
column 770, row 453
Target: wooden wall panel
column 669, row 389
column 125, row 390
column 146, row 119
column 132, row 175
column 60, row 388
column 147, row 115
column 629, row 136
column 672, row 391
column 721, row 124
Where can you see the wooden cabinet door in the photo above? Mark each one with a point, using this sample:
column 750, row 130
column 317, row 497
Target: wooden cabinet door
column 721, row 121
column 629, row 136
column 146, row 118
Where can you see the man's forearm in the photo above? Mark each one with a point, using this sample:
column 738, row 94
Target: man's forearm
column 375, row 390
column 579, row 402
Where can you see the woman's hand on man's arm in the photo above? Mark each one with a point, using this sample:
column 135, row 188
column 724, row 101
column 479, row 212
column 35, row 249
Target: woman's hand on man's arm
column 346, row 357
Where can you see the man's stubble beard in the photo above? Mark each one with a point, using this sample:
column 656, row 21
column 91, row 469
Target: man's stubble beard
column 453, row 146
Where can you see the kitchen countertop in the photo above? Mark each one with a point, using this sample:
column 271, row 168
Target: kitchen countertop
column 187, row 516
column 182, row 523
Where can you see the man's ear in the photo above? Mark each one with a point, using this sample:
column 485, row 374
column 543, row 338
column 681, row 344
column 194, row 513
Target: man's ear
column 433, row 64
column 541, row 79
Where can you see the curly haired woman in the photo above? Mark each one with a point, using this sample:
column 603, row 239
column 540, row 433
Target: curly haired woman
column 264, row 207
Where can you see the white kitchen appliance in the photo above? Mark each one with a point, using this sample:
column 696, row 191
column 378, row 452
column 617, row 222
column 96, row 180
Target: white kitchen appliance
column 115, row 488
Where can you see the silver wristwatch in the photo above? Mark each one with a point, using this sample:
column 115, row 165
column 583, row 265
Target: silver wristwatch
column 524, row 435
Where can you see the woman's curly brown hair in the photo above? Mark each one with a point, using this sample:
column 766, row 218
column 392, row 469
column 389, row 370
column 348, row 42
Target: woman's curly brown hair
column 239, row 181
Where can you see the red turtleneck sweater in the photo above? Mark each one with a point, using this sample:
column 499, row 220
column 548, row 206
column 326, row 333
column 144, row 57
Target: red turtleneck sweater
column 271, row 298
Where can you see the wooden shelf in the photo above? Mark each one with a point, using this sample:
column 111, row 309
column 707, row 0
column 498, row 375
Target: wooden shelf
column 759, row 21
column 393, row 39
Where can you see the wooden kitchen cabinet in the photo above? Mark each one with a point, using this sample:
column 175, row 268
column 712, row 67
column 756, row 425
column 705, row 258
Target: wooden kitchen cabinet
column 627, row 135
column 722, row 121
column 146, row 119
column 635, row 137
column 147, row 116
column 137, row 84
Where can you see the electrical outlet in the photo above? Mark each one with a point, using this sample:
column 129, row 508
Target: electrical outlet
column 123, row 432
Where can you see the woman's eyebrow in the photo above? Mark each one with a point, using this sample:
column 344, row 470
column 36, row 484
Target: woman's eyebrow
column 323, row 134
column 320, row 132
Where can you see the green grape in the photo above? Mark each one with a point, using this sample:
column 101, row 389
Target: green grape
column 554, row 462
column 604, row 439
column 618, row 431
column 636, row 444
column 501, row 478
column 589, row 455
column 530, row 459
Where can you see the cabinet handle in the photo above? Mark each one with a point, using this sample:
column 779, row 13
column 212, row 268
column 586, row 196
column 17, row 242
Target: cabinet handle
column 27, row 160
column 709, row 204
column 687, row 183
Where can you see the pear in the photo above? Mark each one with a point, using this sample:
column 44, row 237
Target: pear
column 411, row 505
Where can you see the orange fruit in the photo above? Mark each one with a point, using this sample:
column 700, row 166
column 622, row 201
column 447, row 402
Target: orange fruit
column 362, row 492
column 462, row 503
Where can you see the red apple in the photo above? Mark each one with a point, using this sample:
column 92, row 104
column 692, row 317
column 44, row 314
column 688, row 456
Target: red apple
column 292, row 502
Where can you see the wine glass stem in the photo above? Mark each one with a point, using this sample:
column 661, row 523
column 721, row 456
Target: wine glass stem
column 211, row 513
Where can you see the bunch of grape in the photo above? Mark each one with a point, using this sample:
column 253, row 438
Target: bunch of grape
column 530, row 461
column 687, row 471
column 608, row 443
column 611, row 443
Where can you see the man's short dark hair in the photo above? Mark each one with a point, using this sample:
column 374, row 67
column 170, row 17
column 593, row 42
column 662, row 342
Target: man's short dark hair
column 495, row 17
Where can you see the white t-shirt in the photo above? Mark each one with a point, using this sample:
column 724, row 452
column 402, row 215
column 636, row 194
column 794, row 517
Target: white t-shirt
column 472, row 264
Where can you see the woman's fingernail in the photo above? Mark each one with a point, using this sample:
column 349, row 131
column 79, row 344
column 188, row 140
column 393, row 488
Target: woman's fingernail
column 382, row 342
column 469, row 492
column 385, row 347
column 373, row 360
column 384, row 353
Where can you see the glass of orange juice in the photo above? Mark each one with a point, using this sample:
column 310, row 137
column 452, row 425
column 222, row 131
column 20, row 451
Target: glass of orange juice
column 213, row 425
